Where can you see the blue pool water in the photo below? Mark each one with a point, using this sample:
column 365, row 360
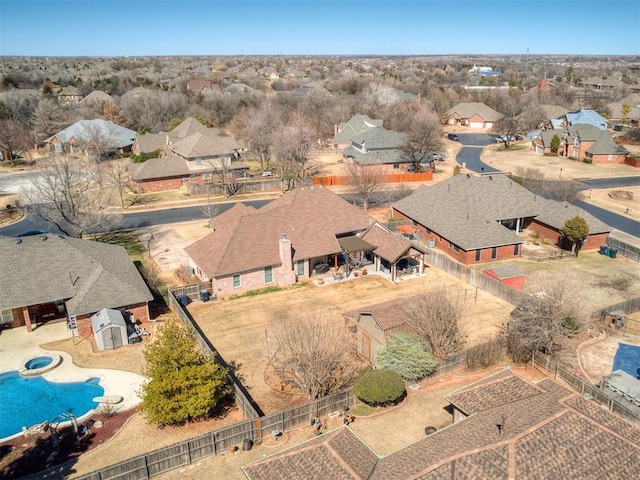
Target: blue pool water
column 38, row 362
column 627, row 359
column 27, row 401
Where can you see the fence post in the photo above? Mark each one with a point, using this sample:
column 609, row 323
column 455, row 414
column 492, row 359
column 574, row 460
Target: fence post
column 213, row 443
column 146, row 467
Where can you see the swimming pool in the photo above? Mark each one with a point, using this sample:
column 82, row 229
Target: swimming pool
column 27, row 401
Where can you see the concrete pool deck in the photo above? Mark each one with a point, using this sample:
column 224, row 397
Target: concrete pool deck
column 17, row 347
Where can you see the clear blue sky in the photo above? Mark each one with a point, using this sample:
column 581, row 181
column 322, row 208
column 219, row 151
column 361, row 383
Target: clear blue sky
column 318, row 27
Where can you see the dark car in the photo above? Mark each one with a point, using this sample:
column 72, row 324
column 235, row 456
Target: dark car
column 453, row 136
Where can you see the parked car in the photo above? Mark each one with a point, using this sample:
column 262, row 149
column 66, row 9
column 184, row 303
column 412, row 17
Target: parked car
column 268, row 173
column 436, row 156
column 453, row 136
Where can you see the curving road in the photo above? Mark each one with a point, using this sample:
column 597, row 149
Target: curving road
column 470, row 154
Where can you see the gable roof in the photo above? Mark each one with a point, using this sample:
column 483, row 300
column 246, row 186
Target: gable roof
column 356, row 126
column 390, row 315
column 89, row 275
column 390, row 247
column 466, row 210
column 546, row 431
column 97, row 97
column 589, row 117
column 107, row 132
column 205, row 144
column 469, row 109
column 150, row 142
column 585, row 132
column 245, row 240
column 553, row 111
column 606, row 146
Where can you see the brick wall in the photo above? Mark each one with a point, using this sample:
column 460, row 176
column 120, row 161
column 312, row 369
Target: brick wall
column 604, row 159
column 552, row 235
column 505, row 252
column 158, row 185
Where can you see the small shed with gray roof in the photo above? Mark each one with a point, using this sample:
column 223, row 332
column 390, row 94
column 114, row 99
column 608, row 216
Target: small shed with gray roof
column 109, row 329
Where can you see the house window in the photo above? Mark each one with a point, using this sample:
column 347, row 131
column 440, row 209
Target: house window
column 494, row 253
column 300, row 267
column 396, row 166
column 478, row 253
column 207, row 176
column 268, row 274
column 456, row 248
column 236, row 280
column 6, row 316
column 516, row 249
column 609, row 157
column 198, row 161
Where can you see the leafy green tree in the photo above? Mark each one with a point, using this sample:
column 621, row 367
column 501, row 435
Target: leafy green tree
column 379, row 387
column 407, row 356
column 555, row 143
column 185, row 383
column 576, row 230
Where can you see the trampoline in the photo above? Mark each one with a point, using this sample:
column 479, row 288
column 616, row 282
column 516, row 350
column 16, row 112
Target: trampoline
column 627, row 359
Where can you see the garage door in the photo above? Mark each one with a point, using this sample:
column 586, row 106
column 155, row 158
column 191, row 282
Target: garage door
column 476, row 125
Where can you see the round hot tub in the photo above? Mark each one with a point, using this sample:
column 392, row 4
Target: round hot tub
column 39, row 365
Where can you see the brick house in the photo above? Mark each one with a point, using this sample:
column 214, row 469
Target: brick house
column 476, row 219
column 191, row 154
column 303, row 232
column 64, row 278
column 473, row 115
column 96, row 135
column 503, row 426
column 355, row 127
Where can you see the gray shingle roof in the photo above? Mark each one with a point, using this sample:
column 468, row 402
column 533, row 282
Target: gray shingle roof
column 106, row 132
column 89, row 275
column 606, row 146
column 150, row 142
column 466, row 209
column 469, row 109
column 207, row 144
column 355, row 127
column 163, row 167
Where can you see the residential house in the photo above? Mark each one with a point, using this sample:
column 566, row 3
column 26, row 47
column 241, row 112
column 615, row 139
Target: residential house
column 579, row 117
column 582, row 141
column 544, row 85
column 368, row 328
column 632, row 117
column 202, row 86
column 304, row 231
column 354, row 128
column 504, row 426
column 55, row 277
column 543, row 142
column 380, row 148
column 86, row 136
column 68, row 94
column 599, row 83
column 192, row 154
column 508, row 274
column 477, row 219
column 473, row 115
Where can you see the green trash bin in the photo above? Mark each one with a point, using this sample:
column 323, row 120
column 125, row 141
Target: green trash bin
column 607, row 251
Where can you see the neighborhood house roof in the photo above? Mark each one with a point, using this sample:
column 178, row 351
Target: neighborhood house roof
column 466, row 210
column 107, row 133
column 545, row 431
column 88, row 275
column 245, row 239
column 470, row 109
column 606, row 146
column 199, row 145
column 390, row 315
column 588, row 117
column 355, row 127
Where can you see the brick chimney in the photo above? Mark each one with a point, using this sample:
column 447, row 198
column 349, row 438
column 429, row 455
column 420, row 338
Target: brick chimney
column 286, row 274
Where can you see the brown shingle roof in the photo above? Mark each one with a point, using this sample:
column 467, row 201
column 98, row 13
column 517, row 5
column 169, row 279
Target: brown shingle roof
column 310, row 217
column 390, row 315
column 546, row 432
column 390, row 247
column 469, row 109
column 206, row 144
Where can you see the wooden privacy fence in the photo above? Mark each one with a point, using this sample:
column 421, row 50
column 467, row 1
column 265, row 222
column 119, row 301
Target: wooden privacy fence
column 551, row 368
column 335, row 180
column 250, row 408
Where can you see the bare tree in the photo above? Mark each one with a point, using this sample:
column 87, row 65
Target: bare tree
column 424, row 135
column 364, row 181
column 552, row 312
column 15, row 138
column 119, row 177
column 291, row 145
column 151, row 109
column 49, row 118
column 312, row 352
column 18, row 107
column 434, row 318
column 68, row 195
column 558, row 190
column 257, row 126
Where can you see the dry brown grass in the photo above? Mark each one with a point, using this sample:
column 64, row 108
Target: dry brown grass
column 240, row 328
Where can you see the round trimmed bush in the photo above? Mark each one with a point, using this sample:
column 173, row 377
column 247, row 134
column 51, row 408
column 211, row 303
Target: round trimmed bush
column 379, row 387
